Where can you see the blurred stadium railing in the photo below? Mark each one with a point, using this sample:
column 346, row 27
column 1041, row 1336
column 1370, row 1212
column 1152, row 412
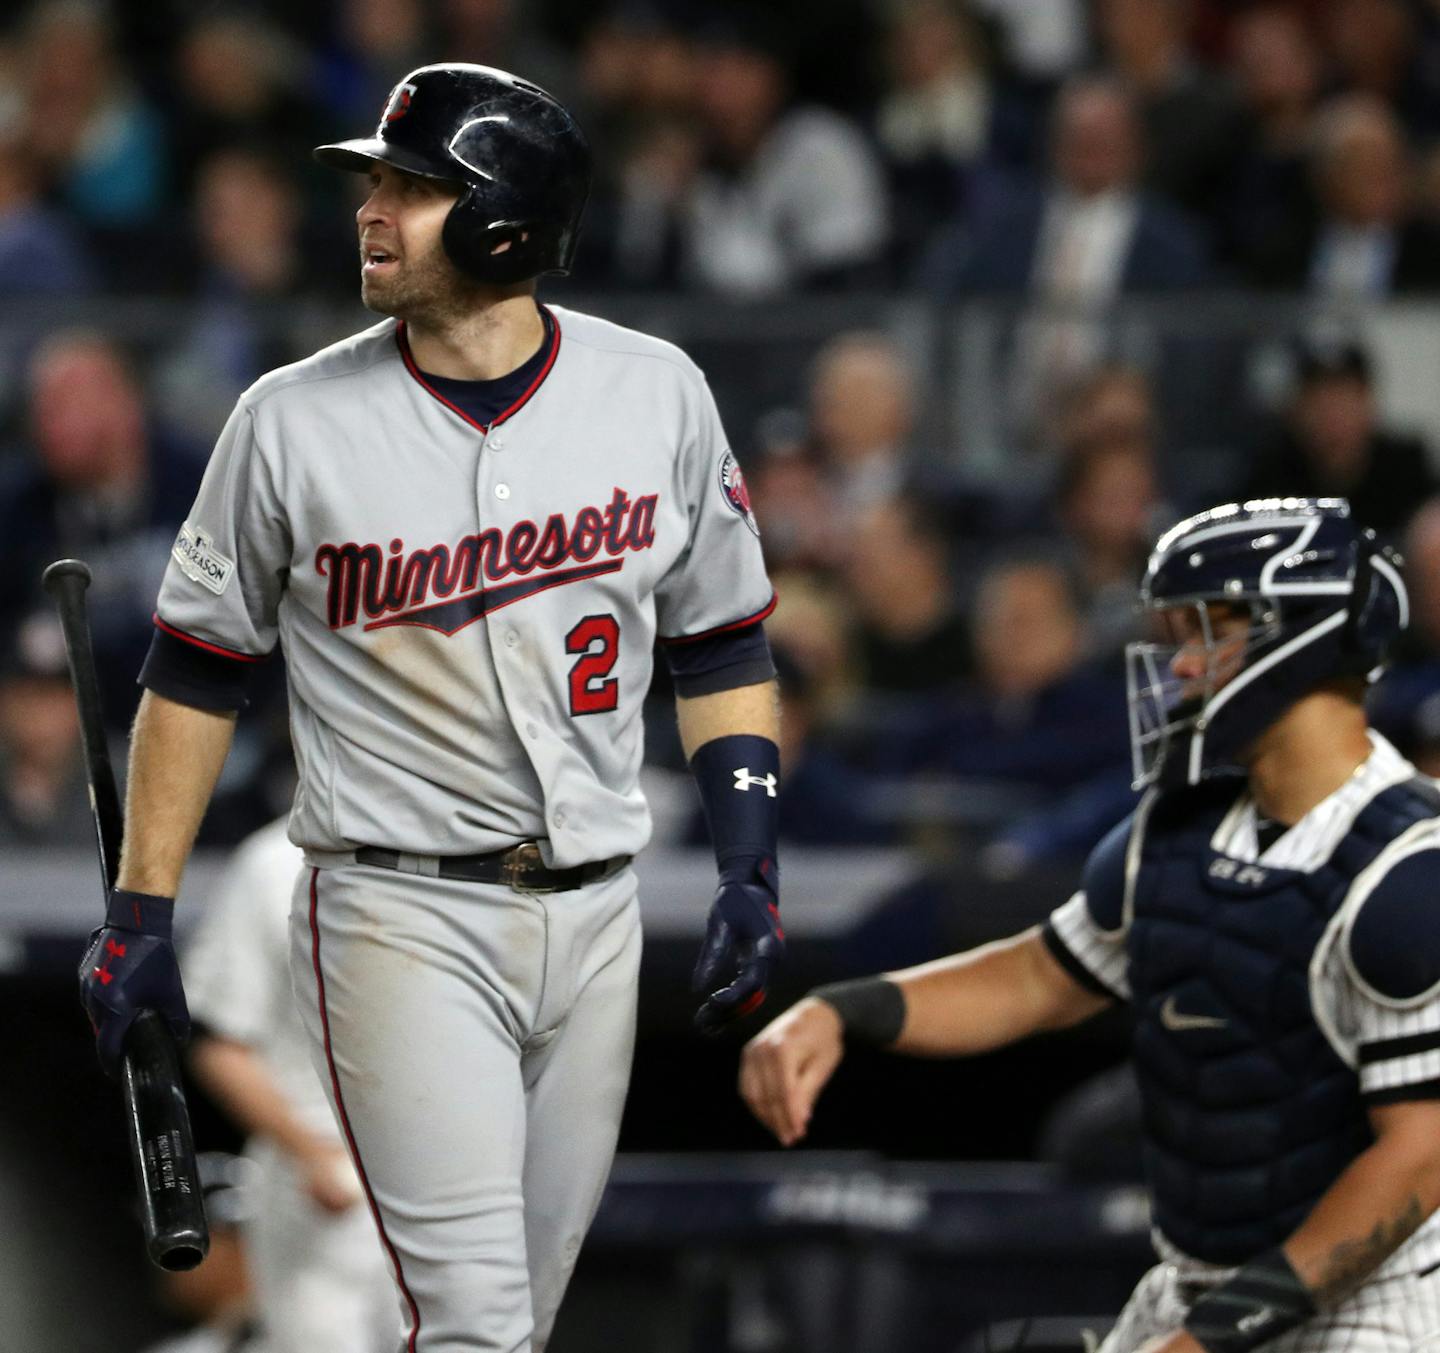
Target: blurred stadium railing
column 1218, row 360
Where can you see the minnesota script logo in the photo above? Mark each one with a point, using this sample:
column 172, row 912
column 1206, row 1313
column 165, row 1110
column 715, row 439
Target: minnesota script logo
column 399, row 588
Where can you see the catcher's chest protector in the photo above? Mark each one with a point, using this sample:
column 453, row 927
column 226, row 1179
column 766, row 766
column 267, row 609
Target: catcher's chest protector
column 1250, row 1114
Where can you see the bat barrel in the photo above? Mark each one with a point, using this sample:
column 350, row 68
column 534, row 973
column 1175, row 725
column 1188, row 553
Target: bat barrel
column 163, row 1147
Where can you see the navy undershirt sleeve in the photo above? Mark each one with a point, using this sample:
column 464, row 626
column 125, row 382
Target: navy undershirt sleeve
column 193, row 676
column 723, row 662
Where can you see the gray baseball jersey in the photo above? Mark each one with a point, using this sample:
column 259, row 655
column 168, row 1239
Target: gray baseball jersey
column 468, row 617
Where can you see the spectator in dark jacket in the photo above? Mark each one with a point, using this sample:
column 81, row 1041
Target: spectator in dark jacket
column 1086, row 234
column 1363, row 241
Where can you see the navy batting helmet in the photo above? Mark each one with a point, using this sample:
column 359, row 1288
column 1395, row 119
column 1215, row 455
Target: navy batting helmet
column 1324, row 601
column 517, row 154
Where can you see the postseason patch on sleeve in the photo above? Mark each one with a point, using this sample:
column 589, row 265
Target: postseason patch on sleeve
column 735, row 491
column 200, row 561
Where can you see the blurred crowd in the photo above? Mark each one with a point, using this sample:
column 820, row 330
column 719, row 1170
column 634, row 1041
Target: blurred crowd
column 949, row 647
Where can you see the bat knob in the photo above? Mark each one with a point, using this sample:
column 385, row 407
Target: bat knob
column 61, row 571
column 180, row 1253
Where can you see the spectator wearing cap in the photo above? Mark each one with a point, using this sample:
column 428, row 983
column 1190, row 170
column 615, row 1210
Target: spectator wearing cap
column 1330, row 443
column 1364, row 240
column 790, row 196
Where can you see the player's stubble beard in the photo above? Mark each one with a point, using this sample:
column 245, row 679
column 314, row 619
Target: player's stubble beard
column 429, row 292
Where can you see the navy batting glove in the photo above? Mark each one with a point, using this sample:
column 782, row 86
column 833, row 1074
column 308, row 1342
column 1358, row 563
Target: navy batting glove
column 130, row 966
column 743, row 936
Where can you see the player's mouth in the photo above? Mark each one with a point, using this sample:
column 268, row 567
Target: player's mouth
column 377, row 261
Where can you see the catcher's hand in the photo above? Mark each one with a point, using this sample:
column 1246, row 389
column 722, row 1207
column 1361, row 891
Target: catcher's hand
column 786, row 1065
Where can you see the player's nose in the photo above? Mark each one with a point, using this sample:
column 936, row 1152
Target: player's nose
column 372, row 210
column 1189, row 663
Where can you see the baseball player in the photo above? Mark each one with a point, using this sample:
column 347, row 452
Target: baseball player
column 466, row 527
column 1269, row 914
column 320, row 1277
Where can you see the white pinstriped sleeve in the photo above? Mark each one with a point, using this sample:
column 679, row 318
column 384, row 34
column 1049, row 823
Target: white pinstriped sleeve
column 1084, row 949
column 1398, row 1048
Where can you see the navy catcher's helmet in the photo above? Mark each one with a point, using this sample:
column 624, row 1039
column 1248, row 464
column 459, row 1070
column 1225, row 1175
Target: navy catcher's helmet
column 1324, row 601
column 519, row 156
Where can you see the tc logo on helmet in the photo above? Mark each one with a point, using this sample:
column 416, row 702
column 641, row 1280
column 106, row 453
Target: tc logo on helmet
column 399, row 103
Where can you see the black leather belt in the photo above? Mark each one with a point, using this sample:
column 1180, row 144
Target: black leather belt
column 518, row 867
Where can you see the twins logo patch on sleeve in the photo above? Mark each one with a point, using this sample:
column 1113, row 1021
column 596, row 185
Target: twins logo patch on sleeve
column 200, row 561
column 737, row 493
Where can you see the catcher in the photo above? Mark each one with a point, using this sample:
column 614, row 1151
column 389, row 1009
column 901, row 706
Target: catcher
column 1269, row 912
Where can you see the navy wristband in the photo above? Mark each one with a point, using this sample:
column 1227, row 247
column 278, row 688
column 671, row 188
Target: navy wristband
column 872, row 1009
column 739, row 781
column 1259, row 1302
column 144, row 912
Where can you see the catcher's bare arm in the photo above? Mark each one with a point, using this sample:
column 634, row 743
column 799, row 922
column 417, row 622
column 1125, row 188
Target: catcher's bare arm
column 968, row 1003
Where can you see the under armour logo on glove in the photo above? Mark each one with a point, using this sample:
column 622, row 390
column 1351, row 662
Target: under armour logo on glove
column 743, row 781
column 128, row 967
column 743, row 934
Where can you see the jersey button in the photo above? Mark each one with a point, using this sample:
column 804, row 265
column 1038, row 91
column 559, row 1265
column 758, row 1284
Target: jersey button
column 502, row 490
column 512, row 639
column 558, row 817
column 496, row 444
column 532, row 730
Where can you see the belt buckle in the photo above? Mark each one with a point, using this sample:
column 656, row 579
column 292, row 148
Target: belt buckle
column 519, row 861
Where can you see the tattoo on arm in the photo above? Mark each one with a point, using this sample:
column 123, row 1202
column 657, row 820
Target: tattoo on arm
column 1351, row 1262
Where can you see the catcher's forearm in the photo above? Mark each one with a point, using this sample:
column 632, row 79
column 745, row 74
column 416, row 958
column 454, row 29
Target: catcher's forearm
column 1380, row 1200
column 176, row 753
column 987, row 998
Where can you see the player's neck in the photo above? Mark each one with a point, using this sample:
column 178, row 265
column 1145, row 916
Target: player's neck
column 1306, row 755
column 483, row 344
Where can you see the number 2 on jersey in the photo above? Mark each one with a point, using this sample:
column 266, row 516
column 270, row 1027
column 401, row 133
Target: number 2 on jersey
column 590, row 690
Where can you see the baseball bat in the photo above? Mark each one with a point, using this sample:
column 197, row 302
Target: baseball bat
column 162, row 1146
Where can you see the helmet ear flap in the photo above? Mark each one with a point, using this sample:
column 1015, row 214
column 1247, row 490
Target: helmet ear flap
column 499, row 253
column 1379, row 606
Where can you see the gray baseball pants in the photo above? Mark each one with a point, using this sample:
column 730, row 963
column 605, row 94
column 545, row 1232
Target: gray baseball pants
column 476, row 1046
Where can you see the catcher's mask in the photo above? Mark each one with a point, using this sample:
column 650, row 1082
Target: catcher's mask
column 1266, row 601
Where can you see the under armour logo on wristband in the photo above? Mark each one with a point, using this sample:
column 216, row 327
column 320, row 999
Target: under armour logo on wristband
column 743, row 781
